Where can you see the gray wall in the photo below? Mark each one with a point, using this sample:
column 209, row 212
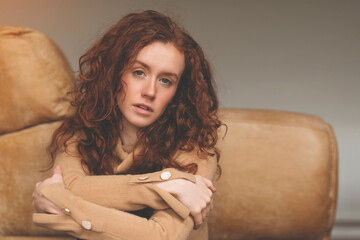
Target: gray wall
column 301, row 56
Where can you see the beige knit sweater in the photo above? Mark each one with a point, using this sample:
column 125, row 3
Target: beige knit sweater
column 97, row 207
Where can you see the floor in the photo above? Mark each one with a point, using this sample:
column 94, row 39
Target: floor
column 346, row 230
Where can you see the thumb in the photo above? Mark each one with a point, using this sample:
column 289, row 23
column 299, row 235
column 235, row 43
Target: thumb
column 57, row 170
column 209, row 184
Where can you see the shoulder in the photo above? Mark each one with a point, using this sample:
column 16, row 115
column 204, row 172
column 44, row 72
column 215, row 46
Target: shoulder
column 194, row 156
column 206, row 164
column 70, row 146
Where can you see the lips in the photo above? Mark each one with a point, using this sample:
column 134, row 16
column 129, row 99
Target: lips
column 144, row 107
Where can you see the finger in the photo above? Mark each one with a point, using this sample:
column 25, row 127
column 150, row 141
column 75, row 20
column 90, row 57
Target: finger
column 204, row 214
column 208, row 209
column 197, row 217
column 209, row 184
column 54, row 210
column 207, row 200
column 57, row 175
column 37, row 189
column 212, row 188
column 45, row 205
column 209, row 192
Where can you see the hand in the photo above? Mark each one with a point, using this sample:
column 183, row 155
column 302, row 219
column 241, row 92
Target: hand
column 196, row 196
column 40, row 202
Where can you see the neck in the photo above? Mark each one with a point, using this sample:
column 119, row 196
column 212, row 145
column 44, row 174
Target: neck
column 127, row 138
column 128, row 134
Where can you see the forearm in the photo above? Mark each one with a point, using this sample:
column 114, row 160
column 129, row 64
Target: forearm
column 162, row 225
column 106, row 223
column 123, row 192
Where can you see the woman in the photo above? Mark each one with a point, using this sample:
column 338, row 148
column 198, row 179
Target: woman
column 135, row 159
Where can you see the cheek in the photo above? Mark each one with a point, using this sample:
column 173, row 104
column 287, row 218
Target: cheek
column 167, row 99
column 120, row 97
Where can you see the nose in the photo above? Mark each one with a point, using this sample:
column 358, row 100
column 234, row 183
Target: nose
column 149, row 88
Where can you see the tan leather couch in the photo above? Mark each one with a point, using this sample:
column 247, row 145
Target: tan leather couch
column 279, row 178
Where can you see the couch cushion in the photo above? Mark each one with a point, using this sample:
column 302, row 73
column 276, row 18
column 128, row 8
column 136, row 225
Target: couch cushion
column 22, row 156
column 34, row 79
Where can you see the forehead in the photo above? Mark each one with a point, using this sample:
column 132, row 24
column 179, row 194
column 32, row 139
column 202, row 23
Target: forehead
column 162, row 56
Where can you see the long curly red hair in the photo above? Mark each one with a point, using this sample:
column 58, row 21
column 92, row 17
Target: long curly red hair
column 189, row 122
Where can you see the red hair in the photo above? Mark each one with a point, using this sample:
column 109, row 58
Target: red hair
column 189, row 122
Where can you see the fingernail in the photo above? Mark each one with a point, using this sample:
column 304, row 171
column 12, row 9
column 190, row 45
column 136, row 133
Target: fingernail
column 57, row 167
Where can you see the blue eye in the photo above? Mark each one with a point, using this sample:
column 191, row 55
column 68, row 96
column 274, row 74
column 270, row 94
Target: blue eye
column 166, row 81
column 139, row 73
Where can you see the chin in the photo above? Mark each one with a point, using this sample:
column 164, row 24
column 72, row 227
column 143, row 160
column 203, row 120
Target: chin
column 142, row 124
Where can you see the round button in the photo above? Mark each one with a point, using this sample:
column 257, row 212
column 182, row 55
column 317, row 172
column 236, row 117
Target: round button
column 86, row 225
column 165, row 175
column 67, row 211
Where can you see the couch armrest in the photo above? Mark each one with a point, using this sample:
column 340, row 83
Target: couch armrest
column 279, row 177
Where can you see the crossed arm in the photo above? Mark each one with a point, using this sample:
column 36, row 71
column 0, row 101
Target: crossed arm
column 93, row 206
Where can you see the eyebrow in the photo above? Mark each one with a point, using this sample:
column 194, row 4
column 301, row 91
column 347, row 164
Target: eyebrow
column 164, row 73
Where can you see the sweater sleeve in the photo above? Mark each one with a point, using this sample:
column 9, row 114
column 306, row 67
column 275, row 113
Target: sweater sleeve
column 88, row 220
column 123, row 192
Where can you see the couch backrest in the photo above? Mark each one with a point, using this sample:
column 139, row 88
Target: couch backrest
column 34, row 79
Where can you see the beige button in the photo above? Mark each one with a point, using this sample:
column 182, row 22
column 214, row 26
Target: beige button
column 67, row 211
column 165, row 175
column 86, row 225
column 143, row 178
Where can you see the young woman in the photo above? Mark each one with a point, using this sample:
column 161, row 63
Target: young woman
column 137, row 157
